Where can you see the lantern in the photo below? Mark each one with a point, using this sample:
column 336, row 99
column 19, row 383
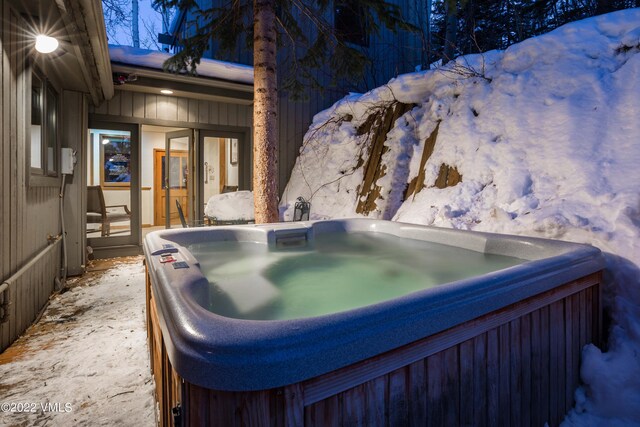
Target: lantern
column 301, row 210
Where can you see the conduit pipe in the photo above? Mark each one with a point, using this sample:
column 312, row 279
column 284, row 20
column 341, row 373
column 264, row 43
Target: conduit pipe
column 4, row 287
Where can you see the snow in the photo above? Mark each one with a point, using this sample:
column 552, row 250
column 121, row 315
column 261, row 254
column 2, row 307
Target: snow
column 88, row 354
column 236, row 205
column 546, row 137
column 206, row 68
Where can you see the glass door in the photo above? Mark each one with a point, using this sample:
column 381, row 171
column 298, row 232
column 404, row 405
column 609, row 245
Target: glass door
column 223, row 166
column 112, row 216
column 176, row 169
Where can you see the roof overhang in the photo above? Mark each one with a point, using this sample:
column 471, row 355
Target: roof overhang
column 85, row 21
column 152, row 81
column 83, row 52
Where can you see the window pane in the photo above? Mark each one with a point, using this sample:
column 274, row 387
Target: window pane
column 117, row 159
column 36, row 122
column 52, row 130
column 109, row 206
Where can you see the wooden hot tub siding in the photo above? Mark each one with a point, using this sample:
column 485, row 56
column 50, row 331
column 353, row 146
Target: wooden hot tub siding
column 518, row 366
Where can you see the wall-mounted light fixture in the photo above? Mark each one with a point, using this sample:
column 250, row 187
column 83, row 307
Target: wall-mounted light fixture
column 46, row 44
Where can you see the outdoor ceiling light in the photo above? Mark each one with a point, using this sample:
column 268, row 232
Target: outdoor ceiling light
column 166, row 91
column 46, row 44
column 105, row 141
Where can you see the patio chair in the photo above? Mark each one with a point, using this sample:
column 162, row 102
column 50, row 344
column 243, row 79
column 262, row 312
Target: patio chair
column 229, row 188
column 98, row 212
column 183, row 221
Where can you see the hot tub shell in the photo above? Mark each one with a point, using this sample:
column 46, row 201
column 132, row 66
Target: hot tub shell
column 502, row 348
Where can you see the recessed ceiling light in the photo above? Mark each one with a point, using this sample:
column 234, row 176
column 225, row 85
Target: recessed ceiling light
column 46, row 44
column 166, row 91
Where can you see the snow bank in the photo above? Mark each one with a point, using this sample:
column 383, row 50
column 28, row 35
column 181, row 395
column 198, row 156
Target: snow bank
column 207, row 68
column 546, row 137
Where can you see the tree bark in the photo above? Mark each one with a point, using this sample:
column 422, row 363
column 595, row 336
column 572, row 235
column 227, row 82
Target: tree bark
column 451, row 31
column 135, row 17
column 265, row 113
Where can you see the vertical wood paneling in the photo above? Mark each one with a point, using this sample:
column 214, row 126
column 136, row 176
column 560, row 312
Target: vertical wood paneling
column 294, row 406
column 398, row 404
column 150, row 106
column 126, row 103
column 417, row 394
column 451, row 384
column 463, row 384
column 545, row 364
column 493, row 377
column 556, row 402
column 214, row 117
column 435, row 388
column 183, row 110
column 193, row 110
column 353, row 410
column 504, row 362
column 466, row 376
column 5, row 149
column 139, row 102
column 375, row 396
column 568, row 353
column 480, row 375
column 203, row 111
column 23, row 228
column 113, row 105
column 536, row 368
column 515, row 376
column 525, row 368
column 223, row 113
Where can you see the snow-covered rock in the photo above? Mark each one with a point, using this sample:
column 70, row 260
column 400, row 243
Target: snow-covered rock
column 546, row 136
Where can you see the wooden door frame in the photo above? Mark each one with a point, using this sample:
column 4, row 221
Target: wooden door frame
column 222, row 159
column 189, row 134
column 158, row 206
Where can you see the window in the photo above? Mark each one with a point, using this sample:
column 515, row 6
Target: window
column 44, row 127
column 350, row 22
column 115, row 155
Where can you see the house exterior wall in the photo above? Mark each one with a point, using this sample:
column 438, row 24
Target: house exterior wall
column 149, row 107
column 74, row 135
column 225, row 119
column 28, row 214
column 391, row 54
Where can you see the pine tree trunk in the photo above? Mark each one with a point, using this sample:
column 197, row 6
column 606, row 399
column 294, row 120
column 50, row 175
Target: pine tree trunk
column 135, row 16
column 265, row 112
column 451, row 31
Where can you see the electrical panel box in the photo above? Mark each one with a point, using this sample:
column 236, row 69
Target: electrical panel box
column 68, row 160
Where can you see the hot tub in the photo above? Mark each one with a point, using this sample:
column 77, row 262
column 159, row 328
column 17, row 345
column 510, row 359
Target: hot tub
column 413, row 325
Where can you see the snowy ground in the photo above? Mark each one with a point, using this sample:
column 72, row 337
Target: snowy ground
column 88, row 355
column 546, row 136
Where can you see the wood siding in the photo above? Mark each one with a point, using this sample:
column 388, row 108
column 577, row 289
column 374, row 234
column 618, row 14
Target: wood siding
column 513, row 367
column 27, row 214
column 195, row 112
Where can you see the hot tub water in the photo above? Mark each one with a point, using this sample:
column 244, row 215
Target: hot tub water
column 333, row 272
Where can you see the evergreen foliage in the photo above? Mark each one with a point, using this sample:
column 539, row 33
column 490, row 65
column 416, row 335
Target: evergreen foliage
column 305, row 28
column 483, row 25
